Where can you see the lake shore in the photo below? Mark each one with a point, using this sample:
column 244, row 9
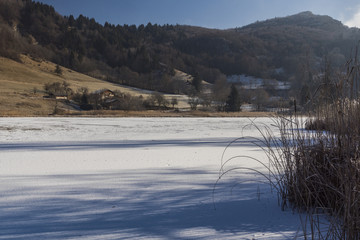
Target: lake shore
column 150, row 113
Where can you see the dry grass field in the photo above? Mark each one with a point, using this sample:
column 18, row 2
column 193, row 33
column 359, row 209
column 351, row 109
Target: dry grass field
column 22, row 90
column 21, row 86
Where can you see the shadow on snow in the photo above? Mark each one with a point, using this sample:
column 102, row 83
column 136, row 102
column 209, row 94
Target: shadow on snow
column 168, row 204
column 128, row 144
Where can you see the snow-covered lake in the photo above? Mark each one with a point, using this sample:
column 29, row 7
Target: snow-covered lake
column 134, row 178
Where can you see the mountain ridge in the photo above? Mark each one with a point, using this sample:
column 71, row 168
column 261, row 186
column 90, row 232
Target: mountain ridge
column 302, row 19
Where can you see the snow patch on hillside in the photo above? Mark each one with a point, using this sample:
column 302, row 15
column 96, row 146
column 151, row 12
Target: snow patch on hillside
column 250, row 82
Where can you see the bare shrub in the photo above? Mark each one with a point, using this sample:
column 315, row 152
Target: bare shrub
column 157, row 100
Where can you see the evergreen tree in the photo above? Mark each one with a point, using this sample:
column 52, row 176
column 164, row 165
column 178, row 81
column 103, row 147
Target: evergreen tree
column 196, row 82
column 233, row 103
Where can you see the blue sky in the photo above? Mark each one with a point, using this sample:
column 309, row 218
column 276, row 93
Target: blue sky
column 220, row 14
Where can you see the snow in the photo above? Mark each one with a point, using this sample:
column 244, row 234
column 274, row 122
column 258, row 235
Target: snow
column 135, row 178
column 250, row 82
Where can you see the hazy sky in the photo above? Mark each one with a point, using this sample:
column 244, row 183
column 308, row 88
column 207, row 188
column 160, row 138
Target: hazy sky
column 220, row 14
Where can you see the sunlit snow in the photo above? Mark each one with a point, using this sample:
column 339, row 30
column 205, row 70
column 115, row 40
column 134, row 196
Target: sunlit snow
column 138, row 178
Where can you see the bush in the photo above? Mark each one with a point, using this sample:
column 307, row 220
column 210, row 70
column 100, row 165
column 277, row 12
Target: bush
column 58, row 70
column 157, row 100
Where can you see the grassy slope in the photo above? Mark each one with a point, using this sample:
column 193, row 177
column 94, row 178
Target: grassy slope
column 18, row 81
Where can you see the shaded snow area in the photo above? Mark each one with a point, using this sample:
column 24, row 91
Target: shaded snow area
column 135, row 178
column 250, row 82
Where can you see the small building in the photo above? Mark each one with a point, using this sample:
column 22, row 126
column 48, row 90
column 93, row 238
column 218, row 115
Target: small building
column 105, row 94
column 56, row 96
column 61, row 97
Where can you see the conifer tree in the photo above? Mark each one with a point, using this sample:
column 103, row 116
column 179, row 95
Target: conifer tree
column 196, row 82
column 233, row 103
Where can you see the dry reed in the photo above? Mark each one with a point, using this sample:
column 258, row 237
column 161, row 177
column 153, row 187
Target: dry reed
column 314, row 164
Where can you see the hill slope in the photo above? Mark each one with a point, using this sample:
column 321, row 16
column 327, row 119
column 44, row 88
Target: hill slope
column 22, row 86
column 133, row 54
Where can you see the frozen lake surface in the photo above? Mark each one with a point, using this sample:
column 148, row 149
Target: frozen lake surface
column 135, row 178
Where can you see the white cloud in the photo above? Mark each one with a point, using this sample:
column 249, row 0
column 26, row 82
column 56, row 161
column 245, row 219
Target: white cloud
column 354, row 21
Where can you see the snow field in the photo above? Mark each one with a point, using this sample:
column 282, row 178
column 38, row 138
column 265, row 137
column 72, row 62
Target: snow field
column 134, row 178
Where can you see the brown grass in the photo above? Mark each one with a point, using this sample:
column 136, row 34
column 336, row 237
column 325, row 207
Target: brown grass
column 19, row 80
column 317, row 172
column 321, row 173
column 320, row 169
column 22, row 83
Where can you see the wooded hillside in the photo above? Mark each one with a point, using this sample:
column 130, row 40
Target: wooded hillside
column 292, row 49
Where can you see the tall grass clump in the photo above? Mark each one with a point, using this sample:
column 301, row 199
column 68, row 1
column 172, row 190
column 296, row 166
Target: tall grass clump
column 319, row 165
column 314, row 161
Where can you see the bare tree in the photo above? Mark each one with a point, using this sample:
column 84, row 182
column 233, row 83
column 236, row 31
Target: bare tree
column 174, row 102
